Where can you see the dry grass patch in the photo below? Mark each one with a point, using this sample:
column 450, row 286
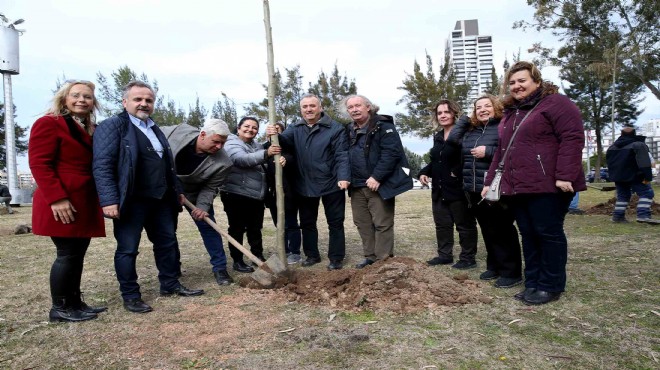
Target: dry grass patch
column 608, row 318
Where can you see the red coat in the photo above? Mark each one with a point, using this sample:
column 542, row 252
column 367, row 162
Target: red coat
column 61, row 166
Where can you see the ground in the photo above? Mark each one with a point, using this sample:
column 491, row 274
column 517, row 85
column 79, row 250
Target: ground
column 394, row 314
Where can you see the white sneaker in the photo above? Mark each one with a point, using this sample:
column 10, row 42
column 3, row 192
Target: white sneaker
column 649, row 221
column 292, row 259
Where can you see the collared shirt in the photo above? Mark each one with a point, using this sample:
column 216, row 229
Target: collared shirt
column 146, row 128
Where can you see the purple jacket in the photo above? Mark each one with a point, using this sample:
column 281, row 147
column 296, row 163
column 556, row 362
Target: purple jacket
column 547, row 148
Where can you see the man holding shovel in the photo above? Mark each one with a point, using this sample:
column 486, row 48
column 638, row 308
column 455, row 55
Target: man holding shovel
column 202, row 167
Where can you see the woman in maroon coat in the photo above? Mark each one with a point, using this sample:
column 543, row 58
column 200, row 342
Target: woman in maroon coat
column 542, row 172
column 65, row 204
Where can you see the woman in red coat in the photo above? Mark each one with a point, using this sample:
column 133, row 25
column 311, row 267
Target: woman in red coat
column 65, row 204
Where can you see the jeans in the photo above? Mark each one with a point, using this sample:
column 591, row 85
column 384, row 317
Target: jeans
column 575, row 201
column 158, row 218
column 624, row 191
column 445, row 216
column 540, row 218
column 212, row 242
column 335, row 209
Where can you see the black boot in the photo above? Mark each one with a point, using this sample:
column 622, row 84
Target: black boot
column 78, row 303
column 63, row 312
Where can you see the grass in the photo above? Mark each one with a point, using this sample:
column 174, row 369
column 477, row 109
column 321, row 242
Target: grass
column 608, row 318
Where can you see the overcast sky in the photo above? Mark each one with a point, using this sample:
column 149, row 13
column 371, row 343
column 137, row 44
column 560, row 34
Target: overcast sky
column 205, row 47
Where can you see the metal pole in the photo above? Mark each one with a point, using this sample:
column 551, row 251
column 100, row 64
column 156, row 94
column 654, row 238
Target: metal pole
column 616, row 47
column 10, row 142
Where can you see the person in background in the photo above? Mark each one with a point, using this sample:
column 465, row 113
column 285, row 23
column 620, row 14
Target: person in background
column 65, row 205
column 138, row 189
column 629, row 167
column 5, row 197
column 450, row 206
column 479, row 139
column 377, row 177
column 574, row 207
column 202, row 167
column 292, row 236
column 319, row 143
column 541, row 174
column 245, row 188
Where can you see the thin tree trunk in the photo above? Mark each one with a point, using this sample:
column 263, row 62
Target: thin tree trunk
column 279, row 189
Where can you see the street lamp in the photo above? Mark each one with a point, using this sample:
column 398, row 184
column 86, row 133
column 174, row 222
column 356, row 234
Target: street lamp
column 9, row 65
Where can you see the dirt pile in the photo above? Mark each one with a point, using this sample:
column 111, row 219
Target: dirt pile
column 607, row 208
column 398, row 284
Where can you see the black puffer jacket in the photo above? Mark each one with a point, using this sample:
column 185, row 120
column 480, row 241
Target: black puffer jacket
column 474, row 169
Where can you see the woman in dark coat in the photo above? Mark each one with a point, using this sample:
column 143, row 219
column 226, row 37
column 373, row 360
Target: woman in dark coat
column 65, row 204
column 479, row 138
column 450, row 206
column 541, row 174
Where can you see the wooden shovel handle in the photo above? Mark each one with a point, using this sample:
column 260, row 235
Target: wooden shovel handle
column 228, row 237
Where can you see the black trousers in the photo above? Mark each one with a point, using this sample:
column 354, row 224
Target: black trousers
column 334, row 205
column 66, row 272
column 245, row 216
column 445, row 216
column 500, row 236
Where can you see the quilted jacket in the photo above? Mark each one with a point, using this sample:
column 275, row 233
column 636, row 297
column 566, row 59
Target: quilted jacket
column 115, row 156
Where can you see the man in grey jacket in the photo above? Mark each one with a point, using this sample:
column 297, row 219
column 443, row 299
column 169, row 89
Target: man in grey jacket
column 202, row 167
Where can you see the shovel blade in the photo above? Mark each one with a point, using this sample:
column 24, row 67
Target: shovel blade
column 275, row 265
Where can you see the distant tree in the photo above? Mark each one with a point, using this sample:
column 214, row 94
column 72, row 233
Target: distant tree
column 169, row 114
column 592, row 92
column 494, row 84
column 196, row 114
column 20, row 133
column 287, row 98
column 331, row 90
column 109, row 91
column 225, row 110
column 629, row 28
column 415, row 161
column 423, row 90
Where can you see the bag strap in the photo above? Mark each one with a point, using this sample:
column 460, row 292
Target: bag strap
column 500, row 166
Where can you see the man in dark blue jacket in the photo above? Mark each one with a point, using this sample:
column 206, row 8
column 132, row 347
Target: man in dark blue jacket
column 321, row 151
column 629, row 166
column 377, row 176
column 138, row 189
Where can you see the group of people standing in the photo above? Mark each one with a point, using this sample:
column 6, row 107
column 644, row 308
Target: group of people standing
column 139, row 176
column 535, row 137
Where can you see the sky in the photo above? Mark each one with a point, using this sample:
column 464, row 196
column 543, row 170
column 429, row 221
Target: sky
column 201, row 48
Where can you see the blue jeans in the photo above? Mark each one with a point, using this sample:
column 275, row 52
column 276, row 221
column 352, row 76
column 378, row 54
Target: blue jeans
column 575, row 202
column 212, row 242
column 624, row 191
column 540, row 219
column 292, row 237
column 158, row 218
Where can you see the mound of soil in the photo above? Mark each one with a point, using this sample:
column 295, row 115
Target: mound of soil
column 398, row 284
column 608, row 207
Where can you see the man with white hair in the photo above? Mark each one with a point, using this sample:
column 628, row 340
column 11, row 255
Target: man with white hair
column 202, row 167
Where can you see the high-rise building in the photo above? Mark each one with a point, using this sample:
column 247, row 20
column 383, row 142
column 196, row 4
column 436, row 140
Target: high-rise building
column 472, row 55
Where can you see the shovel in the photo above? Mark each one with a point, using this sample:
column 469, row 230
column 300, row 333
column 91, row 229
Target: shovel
column 267, row 272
